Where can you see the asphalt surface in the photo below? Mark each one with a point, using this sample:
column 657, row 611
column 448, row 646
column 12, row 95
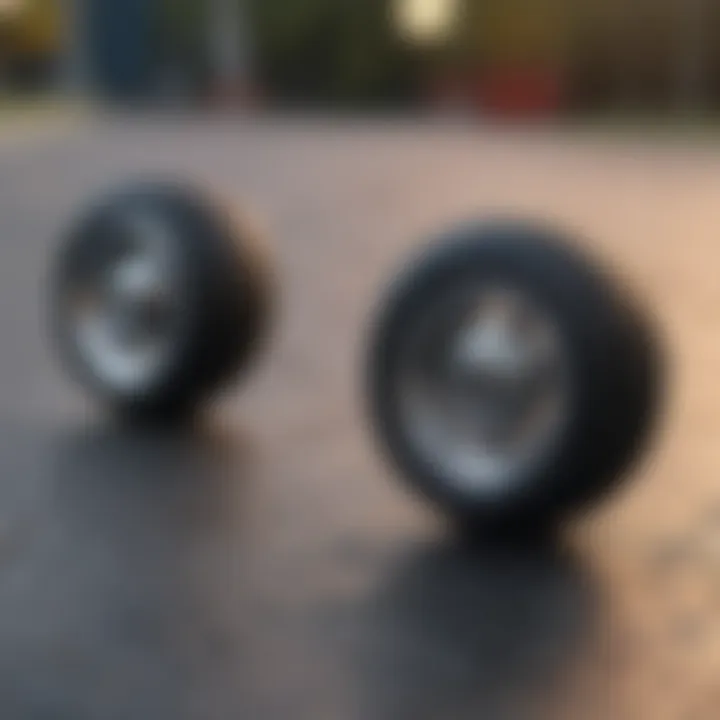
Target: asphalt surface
column 267, row 565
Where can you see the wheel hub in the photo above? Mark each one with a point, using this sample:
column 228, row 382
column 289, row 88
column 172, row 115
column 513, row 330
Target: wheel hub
column 126, row 316
column 496, row 398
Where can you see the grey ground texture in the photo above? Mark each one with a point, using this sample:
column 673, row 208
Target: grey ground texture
column 268, row 566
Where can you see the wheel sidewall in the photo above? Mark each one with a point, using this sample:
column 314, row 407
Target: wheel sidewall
column 217, row 282
column 577, row 296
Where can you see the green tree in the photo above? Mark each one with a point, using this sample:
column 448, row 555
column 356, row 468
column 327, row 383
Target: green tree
column 517, row 31
column 330, row 50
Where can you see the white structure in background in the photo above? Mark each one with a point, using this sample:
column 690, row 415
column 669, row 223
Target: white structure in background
column 8, row 8
column 11, row 8
column 75, row 69
column 426, row 21
column 229, row 42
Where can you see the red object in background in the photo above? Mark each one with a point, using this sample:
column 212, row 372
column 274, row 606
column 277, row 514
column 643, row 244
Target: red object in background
column 519, row 93
column 509, row 93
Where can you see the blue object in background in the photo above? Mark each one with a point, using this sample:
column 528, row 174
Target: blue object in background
column 121, row 36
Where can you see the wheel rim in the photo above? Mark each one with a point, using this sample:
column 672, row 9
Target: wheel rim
column 484, row 388
column 124, row 309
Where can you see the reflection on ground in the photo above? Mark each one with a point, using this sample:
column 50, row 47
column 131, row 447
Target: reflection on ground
column 135, row 586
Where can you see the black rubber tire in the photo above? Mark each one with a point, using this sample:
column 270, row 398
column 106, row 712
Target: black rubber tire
column 228, row 294
column 615, row 352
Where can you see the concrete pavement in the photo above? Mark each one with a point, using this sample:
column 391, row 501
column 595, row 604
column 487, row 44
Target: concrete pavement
column 269, row 567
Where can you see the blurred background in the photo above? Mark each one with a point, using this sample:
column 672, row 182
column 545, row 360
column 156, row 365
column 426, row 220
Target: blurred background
column 497, row 57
